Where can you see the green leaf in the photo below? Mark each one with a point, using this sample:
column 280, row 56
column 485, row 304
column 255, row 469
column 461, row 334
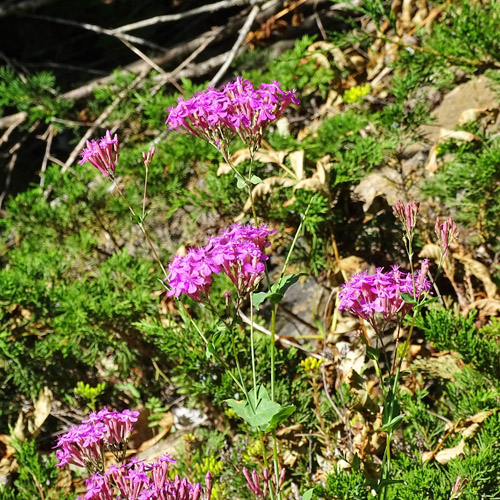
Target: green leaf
column 285, row 282
column 240, row 182
column 372, row 353
column 277, row 291
column 265, row 414
column 408, row 298
column 211, row 350
column 393, row 424
column 281, row 416
column 308, row 494
column 255, row 179
column 258, row 298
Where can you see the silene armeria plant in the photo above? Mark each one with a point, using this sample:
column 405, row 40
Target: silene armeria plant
column 238, row 252
column 106, row 431
column 385, row 299
column 393, row 299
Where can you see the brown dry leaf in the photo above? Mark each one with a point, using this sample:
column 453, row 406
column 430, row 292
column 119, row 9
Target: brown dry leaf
column 459, row 135
column 29, row 425
column 41, row 410
column 290, row 457
column 433, row 251
column 430, row 251
column 297, row 162
column 350, row 265
column 471, row 115
column 444, row 456
column 262, row 155
column 487, row 307
column 223, row 169
column 480, row 271
column 471, row 425
column 165, row 424
column 383, row 182
column 432, row 165
column 269, row 156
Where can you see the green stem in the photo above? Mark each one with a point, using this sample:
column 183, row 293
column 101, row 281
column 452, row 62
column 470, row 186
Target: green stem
column 242, row 385
column 143, row 229
column 276, row 463
column 220, row 360
column 252, row 350
column 272, row 346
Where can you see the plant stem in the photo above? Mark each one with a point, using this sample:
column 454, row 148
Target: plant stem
column 143, row 229
column 242, row 385
column 272, row 346
column 252, row 350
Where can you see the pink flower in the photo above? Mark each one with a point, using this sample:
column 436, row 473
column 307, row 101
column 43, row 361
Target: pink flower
column 238, row 108
column 407, row 214
column 239, row 252
column 102, row 153
column 379, row 294
column 446, row 233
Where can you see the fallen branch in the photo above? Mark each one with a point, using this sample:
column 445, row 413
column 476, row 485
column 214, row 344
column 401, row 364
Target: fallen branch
column 13, row 7
column 232, row 53
column 104, row 115
column 213, row 7
column 97, row 29
column 282, row 340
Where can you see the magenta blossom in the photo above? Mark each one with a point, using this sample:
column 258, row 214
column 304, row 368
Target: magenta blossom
column 83, row 444
column 238, row 108
column 446, row 233
column 379, row 295
column 239, row 252
column 407, row 214
column 102, row 153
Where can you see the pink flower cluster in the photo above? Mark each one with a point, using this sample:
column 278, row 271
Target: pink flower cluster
column 138, row 480
column 83, row 444
column 254, row 482
column 447, row 232
column 369, row 296
column 238, row 108
column 102, row 153
column 239, row 252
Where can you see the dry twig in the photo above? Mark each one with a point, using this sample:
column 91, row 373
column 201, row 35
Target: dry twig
column 212, row 7
column 232, row 53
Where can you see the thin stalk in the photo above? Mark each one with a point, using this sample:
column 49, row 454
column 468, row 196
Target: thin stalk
column 252, row 350
column 220, row 360
column 242, row 386
column 276, row 464
column 272, row 346
column 143, row 229
column 144, row 195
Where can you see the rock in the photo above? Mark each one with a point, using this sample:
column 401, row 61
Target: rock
column 475, row 93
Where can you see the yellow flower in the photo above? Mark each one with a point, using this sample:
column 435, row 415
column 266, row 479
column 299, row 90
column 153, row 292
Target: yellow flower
column 356, row 94
column 311, row 364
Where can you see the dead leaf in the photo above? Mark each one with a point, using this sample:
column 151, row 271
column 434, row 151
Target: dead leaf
column 290, row 457
column 350, row 265
column 433, row 251
column 297, row 162
column 459, row 135
column 430, row 251
column 30, row 424
column 165, row 424
column 471, row 115
column 432, row 165
column 444, row 456
column 480, row 271
column 383, row 182
column 487, row 307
